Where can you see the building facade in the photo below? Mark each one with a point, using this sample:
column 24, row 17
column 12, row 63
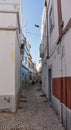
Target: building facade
column 10, row 32
column 56, row 57
column 25, row 68
column 32, row 70
column 38, row 67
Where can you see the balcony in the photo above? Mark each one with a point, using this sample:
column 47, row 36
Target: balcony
column 22, row 49
column 42, row 50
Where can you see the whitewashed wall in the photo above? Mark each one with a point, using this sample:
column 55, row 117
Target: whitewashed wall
column 8, row 20
column 10, row 5
column 66, row 11
column 60, row 64
column 67, row 42
column 7, row 63
column 17, row 65
column 53, row 37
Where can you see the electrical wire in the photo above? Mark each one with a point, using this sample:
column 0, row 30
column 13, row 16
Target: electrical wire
column 32, row 33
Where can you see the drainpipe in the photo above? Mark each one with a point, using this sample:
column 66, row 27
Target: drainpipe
column 60, row 29
column 61, row 82
column 47, row 28
column 63, row 51
column 66, row 87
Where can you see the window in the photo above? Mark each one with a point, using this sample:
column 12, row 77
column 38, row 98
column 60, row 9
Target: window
column 25, row 60
column 30, row 77
column 51, row 19
column 29, row 64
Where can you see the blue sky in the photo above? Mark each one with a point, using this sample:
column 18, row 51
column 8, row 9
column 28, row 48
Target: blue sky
column 32, row 12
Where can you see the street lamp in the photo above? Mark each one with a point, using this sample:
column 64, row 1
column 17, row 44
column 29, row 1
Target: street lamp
column 37, row 26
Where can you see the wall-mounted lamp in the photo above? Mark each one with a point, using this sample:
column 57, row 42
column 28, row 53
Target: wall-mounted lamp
column 37, row 26
column 62, row 24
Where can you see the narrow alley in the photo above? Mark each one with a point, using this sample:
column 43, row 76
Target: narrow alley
column 34, row 113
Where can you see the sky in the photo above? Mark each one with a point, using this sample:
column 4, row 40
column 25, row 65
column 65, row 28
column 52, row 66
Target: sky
column 32, row 13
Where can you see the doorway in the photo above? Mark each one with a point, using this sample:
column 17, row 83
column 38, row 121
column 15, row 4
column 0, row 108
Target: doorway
column 50, row 84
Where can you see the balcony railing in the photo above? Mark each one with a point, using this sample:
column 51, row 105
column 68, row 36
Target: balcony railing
column 22, row 49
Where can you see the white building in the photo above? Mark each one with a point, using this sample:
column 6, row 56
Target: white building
column 10, row 30
column 56, row 56
column 38, row 67
column 32, row 70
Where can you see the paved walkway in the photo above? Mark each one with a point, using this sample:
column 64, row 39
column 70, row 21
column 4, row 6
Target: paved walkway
column 34, row 113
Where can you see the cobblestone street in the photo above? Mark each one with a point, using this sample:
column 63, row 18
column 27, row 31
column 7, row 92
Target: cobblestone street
column 33, row 113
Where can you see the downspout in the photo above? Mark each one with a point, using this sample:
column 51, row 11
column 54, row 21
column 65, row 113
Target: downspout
column 61, row 99
column 60, row 36
column 60, row 27
column 46, row 22
column 66, row 89
column 47, row 28
column 63, row 51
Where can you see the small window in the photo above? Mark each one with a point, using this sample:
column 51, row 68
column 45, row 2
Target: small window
column 51, row 19
column 25, row 60
column 30, row 77
column 29, row 64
